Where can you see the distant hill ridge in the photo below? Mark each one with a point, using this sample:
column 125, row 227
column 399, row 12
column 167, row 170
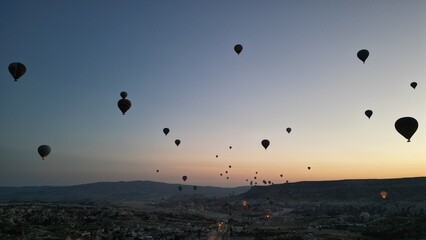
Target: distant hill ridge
column 111, row 191
column 399, row 189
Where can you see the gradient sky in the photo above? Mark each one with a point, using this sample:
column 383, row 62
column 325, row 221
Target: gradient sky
column 175, row 59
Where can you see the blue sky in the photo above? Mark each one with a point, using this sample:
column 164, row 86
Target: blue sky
column 176, row 61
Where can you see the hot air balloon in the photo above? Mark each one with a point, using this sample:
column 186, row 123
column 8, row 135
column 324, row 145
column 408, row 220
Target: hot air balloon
column 226, row 172
column 217, row 156
column 406, row 126
column 158, row 170
column 281, row 175
column 180, row 188
column 230, row 147
column 238, row 48
column 227, row 177
column 44, row 150
column 246, row 179
column 368, row 113
column 264, row 182
column 269, row 182
column 363, row 55
column 230, row 166
column 251, row 183
column 309, row 168
column 383, row 194
column 268, row 214
column 256, row 172
column 413, row 85
column 288, row 130
column 255, row 177
column 221, row 174
column 265, row 143
column 177, row 142
column 123, row 94
column 124, row 104
column 17, row 70
column 184, row 178
column 166, row 131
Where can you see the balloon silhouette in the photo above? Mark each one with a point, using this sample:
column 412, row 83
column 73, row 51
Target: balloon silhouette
column 44, row 150
column 281, row 175
column 230, row 147
column 177, row 142
column 217, row 156
column 309, row 168
column 413, row 85
column 406, row 126
column 288, row 130
column 123, row 94
column 368, row 113
column 230, row 166
column 17, row 70
column 124, row 104
column 184, row 178
column 265, row 143
column 166, row 131
column 238, row 48
column 221, row 174
column 363, row 55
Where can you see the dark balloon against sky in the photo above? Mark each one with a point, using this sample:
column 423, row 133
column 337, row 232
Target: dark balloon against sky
column 175, row 59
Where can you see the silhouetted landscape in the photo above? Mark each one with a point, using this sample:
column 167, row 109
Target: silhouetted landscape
column 345, row 209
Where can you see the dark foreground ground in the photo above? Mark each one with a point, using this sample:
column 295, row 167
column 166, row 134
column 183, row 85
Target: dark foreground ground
column 216, row 218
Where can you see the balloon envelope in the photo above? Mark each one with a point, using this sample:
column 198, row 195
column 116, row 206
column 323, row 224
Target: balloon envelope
column 177, row 142
column 184, row 178
column 406, row 126
column 265, row 143
column 363, row 55
column 288, row 130
column 413, row 85
column 124, row 105
column 383, row 194
column 44, row 150
column 166, row 131
column 368, row 113
column 238, row 48
column 123, row 94
column 17, row 69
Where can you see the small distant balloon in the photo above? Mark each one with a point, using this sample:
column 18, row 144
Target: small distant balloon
column 281, row 175
column 227, row 177
column 406, row 126
column 383, row 194
column 230, row 147
column 177, row 142
column 221, row 174
column 124, row 104
column 309, row 168
column 238, row 48
column 256, row 172
column 123, row 94
column 264, row 182
column 288, row 130
column 166, row 131
column 363, row 55
column 246, row 180
column 230, row 166
column 158, row 170
column 17, row 70
column 217, row 156
column 265, row 143
column 184, row 178
column 44, row 150
column 368, row 113
column 255, row 177
column 413, row 85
